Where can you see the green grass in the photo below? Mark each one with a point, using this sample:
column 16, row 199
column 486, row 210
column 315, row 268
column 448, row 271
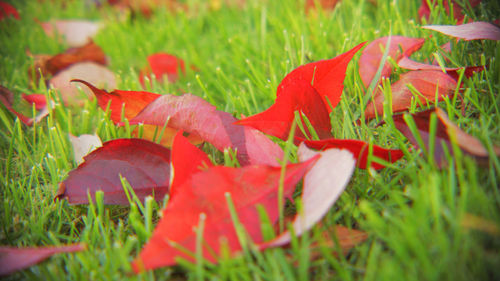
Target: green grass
column 413, row 212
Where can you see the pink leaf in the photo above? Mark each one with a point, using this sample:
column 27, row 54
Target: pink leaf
column 429, row 83
column 323, row 184
column 372, row 55
column 195, row 115
column 13, row 259
column 408, row 63
column 75, row 33
column 469, row 31
column 144, row 164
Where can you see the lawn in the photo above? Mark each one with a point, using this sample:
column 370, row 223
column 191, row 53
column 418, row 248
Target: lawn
column 423, row 222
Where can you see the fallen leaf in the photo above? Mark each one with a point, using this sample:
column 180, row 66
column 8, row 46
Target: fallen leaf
column 187, row 159
column 277, row 119
column 430, row 84
column 469, row 31
column 13, row 259
column 88, row 71
column 425, row 11
column 194, row 115
column 359, row 149
column 326, row 5
column 144, row 164
column 323, row 184
column 445, row 128
column 202, row 199
column 372, row 55
column 51, row 65
column 7, row 10
column 6, row 98
column 407, row 63
column 75, row 33
column 470, row 221
column 83, row 145
column 38, row 100
column 327, row 77
column 162, row 64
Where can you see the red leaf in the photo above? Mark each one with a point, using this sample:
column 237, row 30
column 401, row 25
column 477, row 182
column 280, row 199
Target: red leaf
column 6, row 98
column 424, row 10
column 359, row 149
column 323, row 4
column 187, row 160
column 323, row 184
column 296, row 95
column 429, row 83
column 132, row 102
column 467, row 143
column 203, row 197
column 144, row 164
column 469, row 31
column 8, row 10
column 328, row 77
column 408, row 63
column 195, row 115
column 14, row 259
column 38, row 100
column 372, row 55
column 163, row 64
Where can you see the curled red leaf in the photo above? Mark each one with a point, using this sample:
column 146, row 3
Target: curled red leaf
column 371, row 56
column 469, row 31
column 7, row 97
column 359, row 149
column 13, row 259
column 430, row 84
column 144, row 164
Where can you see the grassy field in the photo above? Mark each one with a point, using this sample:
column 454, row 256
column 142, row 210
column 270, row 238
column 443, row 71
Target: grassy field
column 421, row 221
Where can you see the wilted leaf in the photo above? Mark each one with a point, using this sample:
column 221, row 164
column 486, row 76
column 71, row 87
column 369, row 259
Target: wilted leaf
column 323, row 184
column 202, row 200
column 194, row 115
column 144, row 164
column 430, row 84
column 425, row 11
column 445, row 128
column 162, row 64
column 50, row 65
column 88, row 71
column 7, row 10
column 469, row 31
column 408, row 63
column 13, row 259
column 359, row 149
column 296, row 95
column 372, row 55
column 75, row 33
column 83, row 145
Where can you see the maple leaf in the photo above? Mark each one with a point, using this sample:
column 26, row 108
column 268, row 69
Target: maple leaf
column 430, row 84
column 446, row 133
column 13, row 259
column 203, row 198
column 371, row 56
column 359, row 149
column 469, row 31
column 144, row 164
column 315, row 99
